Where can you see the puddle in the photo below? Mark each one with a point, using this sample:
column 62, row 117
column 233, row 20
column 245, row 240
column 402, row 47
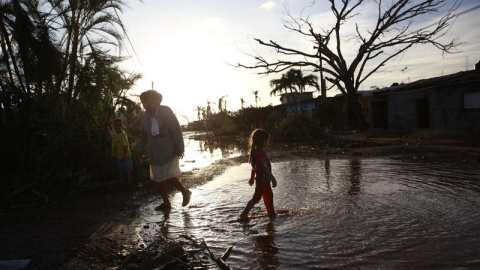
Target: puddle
column 343, row 214
column 201, row 153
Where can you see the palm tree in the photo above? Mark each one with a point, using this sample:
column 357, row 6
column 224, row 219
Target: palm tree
column 39, row 56
column 6, row 28
column 86, row 25
column 293, row 82
column 199, row 112
column 255, row 93
column 208, row 110
column 303, row 81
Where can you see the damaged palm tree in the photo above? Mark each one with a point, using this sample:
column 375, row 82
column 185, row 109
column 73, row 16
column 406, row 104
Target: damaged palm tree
column 394, row 31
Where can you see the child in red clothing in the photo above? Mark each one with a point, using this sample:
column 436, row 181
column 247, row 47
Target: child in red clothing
column 261, row 172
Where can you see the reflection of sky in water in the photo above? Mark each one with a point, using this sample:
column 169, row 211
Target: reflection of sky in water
column 201, row 153
column 344, row 214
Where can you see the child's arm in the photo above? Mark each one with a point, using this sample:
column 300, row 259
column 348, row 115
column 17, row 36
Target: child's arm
column 263, row 161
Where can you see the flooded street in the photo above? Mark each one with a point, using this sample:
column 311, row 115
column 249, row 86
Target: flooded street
column 201, row 153
column 342, row 214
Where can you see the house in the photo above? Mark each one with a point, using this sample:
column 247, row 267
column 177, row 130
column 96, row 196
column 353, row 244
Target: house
column 294, row 103
column 446, row 102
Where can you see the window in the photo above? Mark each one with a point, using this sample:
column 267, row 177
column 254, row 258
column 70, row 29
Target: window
column 471, row 100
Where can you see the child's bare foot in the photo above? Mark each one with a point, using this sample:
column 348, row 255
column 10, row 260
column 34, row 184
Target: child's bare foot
column 272, row 215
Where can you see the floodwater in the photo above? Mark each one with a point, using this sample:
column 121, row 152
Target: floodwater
column 342, row 214
column 201, row 153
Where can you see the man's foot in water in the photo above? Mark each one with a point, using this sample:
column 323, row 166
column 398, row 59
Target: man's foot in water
column 163, row 207
column 186, row 198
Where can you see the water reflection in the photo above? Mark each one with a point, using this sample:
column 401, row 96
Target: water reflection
column 201, row 153
column 355, row 177
column 327, row 172
column 265, row 247
column 344, row 214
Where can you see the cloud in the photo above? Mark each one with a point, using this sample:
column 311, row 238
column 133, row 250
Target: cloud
column 267, row 6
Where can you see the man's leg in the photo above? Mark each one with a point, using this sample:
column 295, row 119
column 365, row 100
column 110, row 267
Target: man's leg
column 176, row 183
column 163, row 190
column 187, row 194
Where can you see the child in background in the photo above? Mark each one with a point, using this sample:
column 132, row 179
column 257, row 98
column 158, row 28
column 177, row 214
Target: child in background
column 121, row 151
column 261, row 173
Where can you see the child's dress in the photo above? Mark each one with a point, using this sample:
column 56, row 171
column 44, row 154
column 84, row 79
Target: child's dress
column 262, row 182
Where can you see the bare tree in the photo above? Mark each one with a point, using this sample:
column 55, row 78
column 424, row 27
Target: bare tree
column 392, row 35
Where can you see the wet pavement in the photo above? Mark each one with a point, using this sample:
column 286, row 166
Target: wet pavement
column 341, row 214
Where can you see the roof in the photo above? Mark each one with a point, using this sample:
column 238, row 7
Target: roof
column 460, row 77
column 298, row 93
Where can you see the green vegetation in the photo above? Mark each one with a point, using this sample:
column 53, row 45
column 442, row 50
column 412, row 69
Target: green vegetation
column 60, row 88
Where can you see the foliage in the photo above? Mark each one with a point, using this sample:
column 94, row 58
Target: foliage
column 53, row 122
column 222, row 124
column 298, row 127
column 293, row 81
column 245, row 118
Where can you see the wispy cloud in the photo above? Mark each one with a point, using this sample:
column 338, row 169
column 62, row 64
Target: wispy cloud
column 269, row 5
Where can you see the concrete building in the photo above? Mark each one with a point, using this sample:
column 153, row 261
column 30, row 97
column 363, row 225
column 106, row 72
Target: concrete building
column 297, row 102
column 441, row 103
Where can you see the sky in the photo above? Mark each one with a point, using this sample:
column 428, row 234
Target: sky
column 186, row 49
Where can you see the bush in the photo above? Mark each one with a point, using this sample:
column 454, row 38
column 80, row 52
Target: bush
column 298, row 127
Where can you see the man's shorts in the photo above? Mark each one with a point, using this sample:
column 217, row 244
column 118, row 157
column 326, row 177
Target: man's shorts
column 125, row 166
column 160, row 173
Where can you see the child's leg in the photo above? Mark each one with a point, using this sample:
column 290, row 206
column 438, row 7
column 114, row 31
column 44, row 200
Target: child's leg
column 120, row 170
column 255, row 199
column 247, row 209
column 268, row 200
column 128, row 169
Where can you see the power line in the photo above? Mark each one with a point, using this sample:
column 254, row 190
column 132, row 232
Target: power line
column 128, row 38
column 456, row 15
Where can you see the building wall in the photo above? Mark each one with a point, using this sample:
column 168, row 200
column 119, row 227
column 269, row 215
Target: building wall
column 305, row 107
column 446, row 108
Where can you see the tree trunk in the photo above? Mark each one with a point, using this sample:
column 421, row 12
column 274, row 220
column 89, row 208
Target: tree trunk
column 356, row 109
column 73, row 64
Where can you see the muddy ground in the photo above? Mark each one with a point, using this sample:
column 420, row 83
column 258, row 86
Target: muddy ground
column 97, row 229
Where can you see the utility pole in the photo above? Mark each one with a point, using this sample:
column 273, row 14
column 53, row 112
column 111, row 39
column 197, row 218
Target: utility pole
column 323, row 89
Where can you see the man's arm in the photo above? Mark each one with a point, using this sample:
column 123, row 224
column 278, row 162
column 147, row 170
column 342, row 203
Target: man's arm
column 175, row 130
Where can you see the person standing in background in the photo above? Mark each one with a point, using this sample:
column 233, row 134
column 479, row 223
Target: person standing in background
column 121, row 151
